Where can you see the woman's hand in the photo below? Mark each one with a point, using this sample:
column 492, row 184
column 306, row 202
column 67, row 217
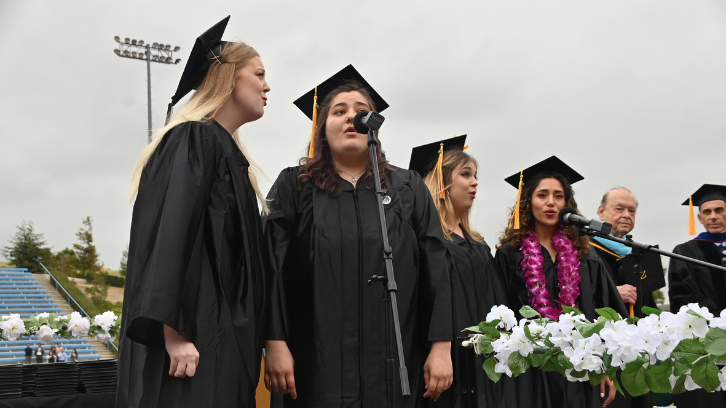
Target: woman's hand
column 184, row 356
column 611, row 392
column 279, row 368
column 438, row 371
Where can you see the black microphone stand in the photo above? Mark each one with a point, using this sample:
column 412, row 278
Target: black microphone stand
column 580, row 231
column 373, row 122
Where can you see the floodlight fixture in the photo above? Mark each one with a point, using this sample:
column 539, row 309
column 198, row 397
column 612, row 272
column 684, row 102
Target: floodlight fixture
column 177, row 48
column 117, row 38
column 133, row 42
column 127, row 40
column 141, row 43
column 117, row 52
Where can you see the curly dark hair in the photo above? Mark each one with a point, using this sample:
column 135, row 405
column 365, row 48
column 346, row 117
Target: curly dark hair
column 526, row 217
column 320, row 169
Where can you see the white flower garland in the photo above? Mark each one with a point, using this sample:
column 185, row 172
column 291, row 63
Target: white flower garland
column 663, row 352
column 48, row 327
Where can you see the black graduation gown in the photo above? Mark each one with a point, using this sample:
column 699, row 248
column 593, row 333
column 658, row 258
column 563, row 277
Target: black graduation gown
column 617, row 274
column 535, row 388
column 324, row 250
column 614, row 267
column 690, row 283
column 194, row 264
column 477, row 284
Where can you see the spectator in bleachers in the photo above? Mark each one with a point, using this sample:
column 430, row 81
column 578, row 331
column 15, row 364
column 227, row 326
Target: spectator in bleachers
column 62, row 357
column 74, row 356
column 39, row 352
column 52, row 358
column 28, row 354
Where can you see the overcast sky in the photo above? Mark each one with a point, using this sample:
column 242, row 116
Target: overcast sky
column 629, row 93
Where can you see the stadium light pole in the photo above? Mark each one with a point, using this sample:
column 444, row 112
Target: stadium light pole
column 156, row 52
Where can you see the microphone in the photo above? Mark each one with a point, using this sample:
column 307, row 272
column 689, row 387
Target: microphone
column 568, row 216
column 365, row 121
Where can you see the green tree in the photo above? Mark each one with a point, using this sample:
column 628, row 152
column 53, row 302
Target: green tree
column 86, row 261
column 66, row 261
column 124, row 260
column 27, row 248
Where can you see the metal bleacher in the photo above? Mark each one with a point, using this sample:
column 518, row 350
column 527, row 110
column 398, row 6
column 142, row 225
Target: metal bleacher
column 21, row 293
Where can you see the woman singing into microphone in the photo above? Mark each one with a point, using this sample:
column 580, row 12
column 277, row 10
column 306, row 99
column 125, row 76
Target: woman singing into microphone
column 546, row 267
column 326, row 342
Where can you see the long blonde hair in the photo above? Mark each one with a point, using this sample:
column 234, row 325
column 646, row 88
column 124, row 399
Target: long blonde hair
column 452, row 160
column 211, row 94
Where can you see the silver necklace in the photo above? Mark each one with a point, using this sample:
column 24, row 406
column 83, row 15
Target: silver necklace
column 352, row 176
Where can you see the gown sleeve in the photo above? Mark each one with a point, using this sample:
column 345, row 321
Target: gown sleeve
column 279, row 230
column 167, row 234
column 436, row 285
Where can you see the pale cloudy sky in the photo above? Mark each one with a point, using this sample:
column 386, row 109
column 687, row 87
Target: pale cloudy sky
column 629, row 93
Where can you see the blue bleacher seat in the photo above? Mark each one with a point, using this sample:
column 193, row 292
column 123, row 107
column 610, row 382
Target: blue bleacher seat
column 20, row 293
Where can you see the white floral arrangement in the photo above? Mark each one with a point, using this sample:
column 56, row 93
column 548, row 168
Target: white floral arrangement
column 662, row 352
column 47, row 327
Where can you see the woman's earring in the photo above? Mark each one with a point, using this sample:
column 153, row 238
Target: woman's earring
column 324, row 142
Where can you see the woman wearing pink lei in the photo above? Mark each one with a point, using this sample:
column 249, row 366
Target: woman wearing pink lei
column 546, row 267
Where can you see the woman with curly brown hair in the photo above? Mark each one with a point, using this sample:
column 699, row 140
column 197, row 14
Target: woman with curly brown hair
column 546, row 267
column 326, row 337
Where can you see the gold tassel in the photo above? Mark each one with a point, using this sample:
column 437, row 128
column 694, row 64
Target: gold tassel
column 519, row 196
column 438, row 172
column 691, row 218
column 311, row 152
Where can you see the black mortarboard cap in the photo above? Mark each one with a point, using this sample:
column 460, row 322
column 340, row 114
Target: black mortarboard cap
column 706, row 193
column 551, row 164
column 200, row 60
column 424, row 157
column 305, row 102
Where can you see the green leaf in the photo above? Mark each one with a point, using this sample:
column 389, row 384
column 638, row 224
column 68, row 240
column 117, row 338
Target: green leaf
column 588, row 329
column 633, row 378
column 680, row 386
column 517, row 364
column 568, row 309
column 617, row 383
column 632, row 320
column 657, row 377
column 705, row 374
column 490, row 329
column 546, row 356
column 715, row 342
column 685, row 353
column 552, row 364
column 650, row 310
column 528, row 313
column 578, row 374
column 472, row 328
column 485, row 346
column 488, row 367
column 608, row 313
column 596, row 379
column 548, row 343
column 535, row 359
column 692, row 312
column 564, row 362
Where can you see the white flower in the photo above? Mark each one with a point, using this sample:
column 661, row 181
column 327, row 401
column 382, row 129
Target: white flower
column 622, row 342
column 519, row 342
column 703, row 311
column 42, row 315
column 575, row 379
column 12, row 327
column 719, row 322
column 105, row 338
column 78, row 325
column 689, row 326
column 105, row 320
column 45, row 334
column 586, row 354
column 504, row 314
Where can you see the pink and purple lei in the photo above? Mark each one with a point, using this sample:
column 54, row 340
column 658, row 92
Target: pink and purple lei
column 568, row 273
